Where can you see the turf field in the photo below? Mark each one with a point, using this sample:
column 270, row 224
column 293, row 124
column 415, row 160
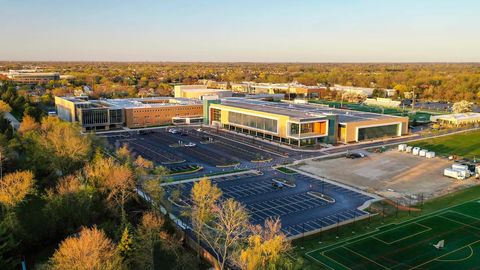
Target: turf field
column 409, row 245
column 464, row 144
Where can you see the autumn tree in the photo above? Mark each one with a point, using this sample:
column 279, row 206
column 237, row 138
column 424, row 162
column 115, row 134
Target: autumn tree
column 462, row 107
column 142, row 166
column 14, row 187
column 204, row 196
column 28, row 124
column 225, row 233
column 267, row 248
column 123, row 154
column 121, row 187
column 91, row 250
column 4, row 107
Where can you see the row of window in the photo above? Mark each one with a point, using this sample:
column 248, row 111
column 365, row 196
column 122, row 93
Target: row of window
column 253, row 121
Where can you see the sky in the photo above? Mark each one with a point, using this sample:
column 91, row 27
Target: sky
column 241, row 30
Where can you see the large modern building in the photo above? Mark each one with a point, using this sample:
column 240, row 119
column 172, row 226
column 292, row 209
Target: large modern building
column 301, row 124
column 199, row 92
column 106, row 114
column 32, row 76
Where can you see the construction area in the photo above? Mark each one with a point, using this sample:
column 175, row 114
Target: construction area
column 399, row 176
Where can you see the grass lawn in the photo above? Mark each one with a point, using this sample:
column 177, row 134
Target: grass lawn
column 362, row 232
column 464, row 144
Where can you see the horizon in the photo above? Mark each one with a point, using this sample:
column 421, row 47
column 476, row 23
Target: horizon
column 248, row 32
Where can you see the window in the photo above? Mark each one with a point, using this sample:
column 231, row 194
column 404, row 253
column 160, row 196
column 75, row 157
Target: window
column 377, row 132
column 252, row 121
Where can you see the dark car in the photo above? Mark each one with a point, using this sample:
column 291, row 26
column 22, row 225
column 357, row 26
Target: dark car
column 355, row 155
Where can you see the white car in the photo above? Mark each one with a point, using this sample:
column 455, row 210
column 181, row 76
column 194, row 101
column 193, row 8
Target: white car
column 199, row 129
column 190, row 144
column 173, row 131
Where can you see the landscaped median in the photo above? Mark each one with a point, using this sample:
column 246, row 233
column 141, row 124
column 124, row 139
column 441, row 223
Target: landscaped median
column 261, row 160
column 185, row 170
column 285, row 170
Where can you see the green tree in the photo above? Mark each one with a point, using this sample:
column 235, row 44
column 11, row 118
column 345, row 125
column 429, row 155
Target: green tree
column 125, row 247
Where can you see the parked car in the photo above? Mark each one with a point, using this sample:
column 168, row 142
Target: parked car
column 355, row 155
column 190, row 144
column 173, row 131
column 276, row 184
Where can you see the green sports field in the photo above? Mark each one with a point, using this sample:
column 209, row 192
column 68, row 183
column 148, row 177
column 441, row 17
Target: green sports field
column 409, row 245
column 464, row 144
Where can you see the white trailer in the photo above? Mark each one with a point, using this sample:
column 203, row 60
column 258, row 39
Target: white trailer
column 402, row 147
column 460, row 175
column 409, row 149
column 416, row 151
column 430, row 154
column 423, row 152
column 459, row 167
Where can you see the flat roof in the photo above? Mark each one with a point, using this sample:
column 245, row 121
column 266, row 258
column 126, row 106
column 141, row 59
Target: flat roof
column 204, row 90
column 136, row 102
column 304, row 111
column 151, row 102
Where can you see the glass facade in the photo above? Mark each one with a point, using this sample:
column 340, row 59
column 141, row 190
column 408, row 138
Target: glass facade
column 116, row 116
column 92, row 117
column 253, row 121
column 377, row 132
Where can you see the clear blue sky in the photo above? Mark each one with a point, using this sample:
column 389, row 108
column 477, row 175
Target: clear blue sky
column 241, row 30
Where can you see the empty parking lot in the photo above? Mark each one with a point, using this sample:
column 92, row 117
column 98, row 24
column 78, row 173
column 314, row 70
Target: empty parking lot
column 300, row 212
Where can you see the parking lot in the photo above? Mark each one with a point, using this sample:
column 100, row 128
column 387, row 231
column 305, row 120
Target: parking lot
column 301, row 213
column 212, row 151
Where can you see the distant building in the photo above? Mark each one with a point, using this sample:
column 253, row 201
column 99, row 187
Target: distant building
column 353, row 89
column 457, row 118
column 109, row 114
column 32, row 76
column 291, row 90
column 199, row 91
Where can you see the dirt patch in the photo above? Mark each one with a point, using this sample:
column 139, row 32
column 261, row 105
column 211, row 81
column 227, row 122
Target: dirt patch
column 395, row 175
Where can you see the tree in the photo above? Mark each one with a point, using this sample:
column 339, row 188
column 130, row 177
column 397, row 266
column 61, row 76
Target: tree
column 7, row 247
column 14, row 187
column 462, row 107
column 125, row 247
column 121, row 187
column 225, row 234
column 204, row 196
column 267, row 248
column 146, row 237
column 142, row 165
column 123, row 154
column 4, row 107
column 99, row 170
column 91, row 250
column 28, row 124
